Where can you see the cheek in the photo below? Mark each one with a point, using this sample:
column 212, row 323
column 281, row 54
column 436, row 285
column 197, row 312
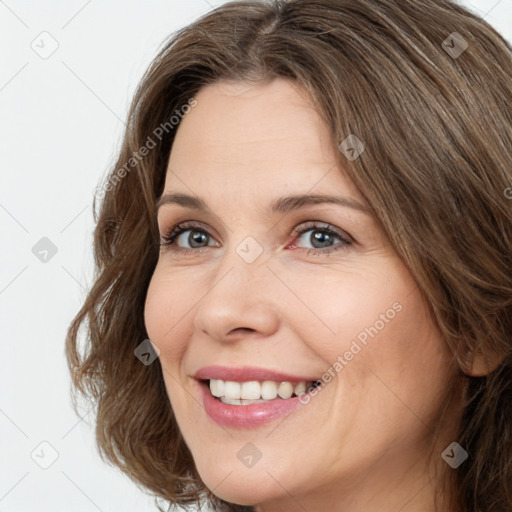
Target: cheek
column 377, row 319
column 349, row 304
column 165, row 314
column 404, row 360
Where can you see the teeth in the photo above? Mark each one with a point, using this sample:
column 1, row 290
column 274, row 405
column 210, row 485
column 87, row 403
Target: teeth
column 268, row 390
column 240, row 402
column 217, row 387
column 250, row 390
column 285, row 390
column 300, row 388
column 245, row 393
column 232, row 390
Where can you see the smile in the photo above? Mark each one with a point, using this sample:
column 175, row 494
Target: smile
column 253, row 392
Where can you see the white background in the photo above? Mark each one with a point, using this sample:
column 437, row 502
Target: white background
column 61, row 119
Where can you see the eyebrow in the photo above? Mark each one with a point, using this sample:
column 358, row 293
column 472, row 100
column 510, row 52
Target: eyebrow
column 280, row 205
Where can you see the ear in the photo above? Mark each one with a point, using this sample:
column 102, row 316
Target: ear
column 478, row 364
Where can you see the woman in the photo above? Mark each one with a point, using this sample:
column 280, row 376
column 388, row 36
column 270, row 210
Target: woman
column 310, row 220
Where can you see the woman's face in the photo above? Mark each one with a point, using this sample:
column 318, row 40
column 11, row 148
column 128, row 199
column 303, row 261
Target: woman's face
column 240, row 289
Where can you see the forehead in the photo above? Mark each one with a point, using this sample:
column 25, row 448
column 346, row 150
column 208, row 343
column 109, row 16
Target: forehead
column 265, row 137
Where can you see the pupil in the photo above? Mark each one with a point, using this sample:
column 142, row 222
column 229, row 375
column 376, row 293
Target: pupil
column 321, row 237
column 195, row 237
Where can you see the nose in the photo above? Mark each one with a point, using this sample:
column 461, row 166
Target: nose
column 241, row 300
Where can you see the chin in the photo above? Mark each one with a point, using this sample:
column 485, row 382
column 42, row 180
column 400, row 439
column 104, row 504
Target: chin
column 243, row 486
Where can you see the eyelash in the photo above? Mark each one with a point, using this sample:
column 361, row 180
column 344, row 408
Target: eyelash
column 169, row 239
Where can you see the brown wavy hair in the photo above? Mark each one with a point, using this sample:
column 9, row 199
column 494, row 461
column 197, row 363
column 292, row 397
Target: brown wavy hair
column 437, row 169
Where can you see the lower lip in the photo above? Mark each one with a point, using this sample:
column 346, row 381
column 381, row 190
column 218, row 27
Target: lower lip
column 246, row 416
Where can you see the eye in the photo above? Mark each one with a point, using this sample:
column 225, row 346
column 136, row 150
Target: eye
column 322, row 237
column 196, row 238
column 178, row 234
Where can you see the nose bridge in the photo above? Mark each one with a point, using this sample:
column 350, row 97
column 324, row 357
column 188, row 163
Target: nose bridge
column 244, row 263
column 239, row 295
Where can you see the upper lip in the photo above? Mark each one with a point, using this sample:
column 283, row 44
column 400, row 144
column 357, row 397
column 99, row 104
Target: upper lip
column 246, row 374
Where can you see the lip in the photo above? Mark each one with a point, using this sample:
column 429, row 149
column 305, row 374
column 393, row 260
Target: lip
column 248, row 373
column 246, row 416
column 253, row 415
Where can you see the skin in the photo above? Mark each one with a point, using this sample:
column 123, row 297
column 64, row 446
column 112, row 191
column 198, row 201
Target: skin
column 362, row 443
